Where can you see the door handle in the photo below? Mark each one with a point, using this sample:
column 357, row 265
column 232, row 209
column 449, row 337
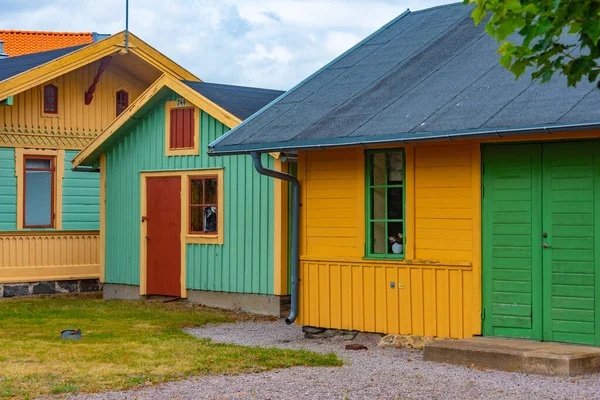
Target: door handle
column 546, row 246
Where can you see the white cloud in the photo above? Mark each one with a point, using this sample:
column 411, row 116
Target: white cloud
column 268, row 43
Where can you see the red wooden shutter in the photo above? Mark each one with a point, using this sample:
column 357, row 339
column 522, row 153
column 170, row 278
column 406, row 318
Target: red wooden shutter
column 182, row 128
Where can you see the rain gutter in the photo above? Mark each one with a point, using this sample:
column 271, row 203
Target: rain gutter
column 295, row 211
column 402, row 138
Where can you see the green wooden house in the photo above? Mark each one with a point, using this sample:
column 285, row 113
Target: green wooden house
column 176, row 222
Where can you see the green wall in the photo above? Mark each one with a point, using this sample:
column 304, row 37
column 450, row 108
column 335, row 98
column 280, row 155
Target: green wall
column 8, row 190
column 244, row 263
column 81, row 195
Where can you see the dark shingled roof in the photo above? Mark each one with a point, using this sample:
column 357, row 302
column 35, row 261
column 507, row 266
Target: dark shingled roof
column 13, row 66
column 427, row 74
column 238, row 100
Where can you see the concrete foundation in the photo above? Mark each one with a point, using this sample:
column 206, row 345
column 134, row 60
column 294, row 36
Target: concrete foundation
column 277, row 306
column 113, row 291
column 516, row 355
column 49, row 287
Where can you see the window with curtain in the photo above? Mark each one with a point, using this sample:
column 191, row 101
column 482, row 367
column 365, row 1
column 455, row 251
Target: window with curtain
column 39, row 192
column 50, row 99
column 203, row 205
column 385, row 203
column 122, row 101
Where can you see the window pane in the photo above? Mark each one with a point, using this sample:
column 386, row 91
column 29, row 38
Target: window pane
column 38, row 197
column 211, row 191
column 394, row 203
column 378, row 203
column 378, row 238
column 395, row 168
column 38, row 163
column 196, row 191
column 210, row 219
column 395, row 238
column 378, row 169
column 196, row 219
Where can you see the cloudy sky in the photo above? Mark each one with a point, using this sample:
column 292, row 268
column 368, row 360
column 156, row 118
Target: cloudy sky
column 266, row 43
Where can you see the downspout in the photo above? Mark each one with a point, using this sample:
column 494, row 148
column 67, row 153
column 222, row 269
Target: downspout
column 295, row 211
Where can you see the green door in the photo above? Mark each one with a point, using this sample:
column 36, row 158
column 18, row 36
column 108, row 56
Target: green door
column 540, row 241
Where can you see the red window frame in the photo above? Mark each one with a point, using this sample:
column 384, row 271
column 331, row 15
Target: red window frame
column 203, row 204
column 52, row 170
column 180, row 127
column 50, row 99
column 122, row 101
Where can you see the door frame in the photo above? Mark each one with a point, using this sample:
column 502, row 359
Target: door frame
column 185, row 238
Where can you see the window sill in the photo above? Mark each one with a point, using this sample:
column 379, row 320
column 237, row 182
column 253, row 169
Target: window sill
column 191, row 151
column 400, row 257
column 204, row 239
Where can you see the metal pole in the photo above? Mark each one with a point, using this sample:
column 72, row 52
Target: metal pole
column 126, row 25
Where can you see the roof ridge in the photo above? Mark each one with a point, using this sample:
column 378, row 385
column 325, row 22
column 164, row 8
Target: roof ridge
column 317, row 72
column 230, row 85
column 76, row 47
column 62, row 33
column 460, row 3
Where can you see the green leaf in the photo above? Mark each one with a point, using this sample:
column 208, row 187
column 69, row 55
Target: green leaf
column 592, row 29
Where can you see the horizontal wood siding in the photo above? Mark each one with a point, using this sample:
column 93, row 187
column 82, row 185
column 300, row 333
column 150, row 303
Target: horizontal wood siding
column 331, row 206
column 81, row 198
column 8, row 190
column 443, row 203
column 32, row 257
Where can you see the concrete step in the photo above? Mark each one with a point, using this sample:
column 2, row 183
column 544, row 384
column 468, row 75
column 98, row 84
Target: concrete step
column 516, row 355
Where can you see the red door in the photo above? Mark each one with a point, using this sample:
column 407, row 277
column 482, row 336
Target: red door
column 163, row 230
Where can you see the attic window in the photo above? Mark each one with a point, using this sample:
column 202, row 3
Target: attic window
column 122, row 101
column 182, row 129
column 50, row 99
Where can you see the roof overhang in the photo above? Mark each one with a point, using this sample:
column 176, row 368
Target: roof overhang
column 395, row 139
column 112, row 45
column 90, row 155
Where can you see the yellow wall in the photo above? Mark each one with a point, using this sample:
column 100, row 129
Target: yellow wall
column 437, row 290
column 49, row 255
column 76, row 124
column 438, row 285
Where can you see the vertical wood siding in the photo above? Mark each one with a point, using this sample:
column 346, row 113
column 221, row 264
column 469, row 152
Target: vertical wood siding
column 37, row 256
column 244, row 264
column 430, row 301
column 433, row 288
column 76, row 124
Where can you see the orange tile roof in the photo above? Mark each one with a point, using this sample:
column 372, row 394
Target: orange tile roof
column 17, row 43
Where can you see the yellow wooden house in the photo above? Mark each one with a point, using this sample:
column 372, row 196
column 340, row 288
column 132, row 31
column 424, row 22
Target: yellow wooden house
column 53, row 104
column 438, row 195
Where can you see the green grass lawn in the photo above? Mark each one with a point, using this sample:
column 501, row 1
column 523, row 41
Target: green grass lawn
column 125, row 344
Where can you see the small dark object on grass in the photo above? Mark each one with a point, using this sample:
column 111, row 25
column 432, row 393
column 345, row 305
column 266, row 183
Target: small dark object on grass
column 71, row 334
column 355, row 346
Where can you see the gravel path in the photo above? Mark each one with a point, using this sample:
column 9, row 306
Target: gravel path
column 367, row 374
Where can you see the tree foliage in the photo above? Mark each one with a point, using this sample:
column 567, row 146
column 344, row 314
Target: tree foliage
column 540, row 23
